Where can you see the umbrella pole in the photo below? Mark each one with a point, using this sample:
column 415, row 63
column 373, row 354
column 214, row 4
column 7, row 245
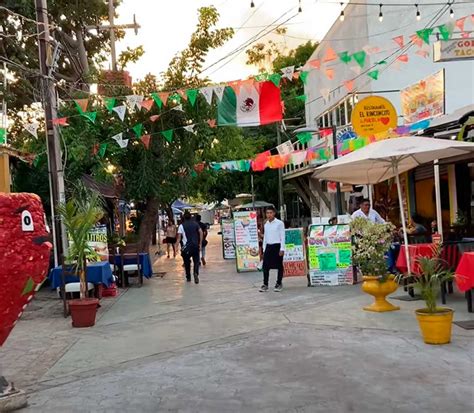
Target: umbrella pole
column 402, row 214
column 439, row 213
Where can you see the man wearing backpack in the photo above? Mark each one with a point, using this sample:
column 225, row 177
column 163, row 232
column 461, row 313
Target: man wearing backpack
column 191, row 234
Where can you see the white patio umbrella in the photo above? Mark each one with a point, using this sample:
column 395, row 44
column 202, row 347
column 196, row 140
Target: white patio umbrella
column 389, row 158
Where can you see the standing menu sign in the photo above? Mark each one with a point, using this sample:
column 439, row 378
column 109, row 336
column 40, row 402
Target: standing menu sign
column 330, row 255
column 228, row 243
column 246, row 240
column 294, row 260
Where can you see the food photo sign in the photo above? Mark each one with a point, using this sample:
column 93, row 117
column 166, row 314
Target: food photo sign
column 330, row 255
column 228, row 243
column 294, row 260
column 246, row 241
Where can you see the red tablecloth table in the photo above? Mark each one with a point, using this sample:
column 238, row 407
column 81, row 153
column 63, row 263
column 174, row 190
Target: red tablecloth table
column 465, row 272
column 415, row 251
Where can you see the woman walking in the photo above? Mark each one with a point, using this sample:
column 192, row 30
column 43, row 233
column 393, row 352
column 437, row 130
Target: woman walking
column 171, row 238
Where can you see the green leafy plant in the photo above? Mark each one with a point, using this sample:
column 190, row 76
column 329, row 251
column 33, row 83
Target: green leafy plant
column 433, row 274
column 79, row 215
column 370, row 244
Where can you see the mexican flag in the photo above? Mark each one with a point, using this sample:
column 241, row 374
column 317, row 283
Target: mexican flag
column 253, row 106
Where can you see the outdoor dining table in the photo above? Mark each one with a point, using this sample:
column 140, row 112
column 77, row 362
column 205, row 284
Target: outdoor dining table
column 415, row 251
column 97, row 273
column 465, row 277
column 129, row 258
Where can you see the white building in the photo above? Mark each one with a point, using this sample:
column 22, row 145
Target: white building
column 330, row 98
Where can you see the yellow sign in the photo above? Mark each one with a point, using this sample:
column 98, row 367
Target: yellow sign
column 373, row 115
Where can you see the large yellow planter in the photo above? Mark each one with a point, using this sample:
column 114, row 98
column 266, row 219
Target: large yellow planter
column 379, row 290
column 435, row 327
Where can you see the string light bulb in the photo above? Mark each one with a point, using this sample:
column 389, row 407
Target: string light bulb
column 451, row 11
column 418, row 14
column 341, row 16
column 252, row 4
column 299, row 7
column 380, row 13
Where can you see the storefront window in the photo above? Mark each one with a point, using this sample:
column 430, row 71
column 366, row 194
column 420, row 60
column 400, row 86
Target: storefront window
column 342, row 114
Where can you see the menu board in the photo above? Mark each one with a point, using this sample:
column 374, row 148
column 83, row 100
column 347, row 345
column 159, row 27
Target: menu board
column 228, row 243
column 330, row 255
column 246, row 240
column 294, row 260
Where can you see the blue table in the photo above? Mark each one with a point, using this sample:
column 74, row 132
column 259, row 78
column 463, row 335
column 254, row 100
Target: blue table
column 97, row 273
column 129, row 258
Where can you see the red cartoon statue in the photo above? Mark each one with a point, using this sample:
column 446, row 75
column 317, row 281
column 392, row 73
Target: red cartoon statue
column 24, row 257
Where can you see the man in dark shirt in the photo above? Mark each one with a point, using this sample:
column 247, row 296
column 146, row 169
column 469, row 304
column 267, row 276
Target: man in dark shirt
column 204, row 240
column 191, row 235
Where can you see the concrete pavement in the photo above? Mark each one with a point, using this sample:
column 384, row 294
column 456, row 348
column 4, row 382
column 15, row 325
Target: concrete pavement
column 221, row 346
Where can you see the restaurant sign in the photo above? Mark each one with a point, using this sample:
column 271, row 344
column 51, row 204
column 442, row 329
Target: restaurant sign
column 373, row 115
column 452, row 50
column 424, row 99
column 294, row 260
column 246, row 240
column 228, row 243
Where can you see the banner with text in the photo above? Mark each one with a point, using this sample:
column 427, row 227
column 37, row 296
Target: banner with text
column 246, row 241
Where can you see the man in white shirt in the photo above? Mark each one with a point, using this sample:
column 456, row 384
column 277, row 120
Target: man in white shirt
column 273, row 249
column 365, row 211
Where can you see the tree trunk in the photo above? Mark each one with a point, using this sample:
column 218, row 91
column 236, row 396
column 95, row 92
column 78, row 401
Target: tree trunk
column 148, row 224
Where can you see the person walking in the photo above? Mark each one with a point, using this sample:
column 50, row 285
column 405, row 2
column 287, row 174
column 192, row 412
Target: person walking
column 365, row 211
column 190, row 234
column 171, row 238
column 204, row 238
column 273, row 249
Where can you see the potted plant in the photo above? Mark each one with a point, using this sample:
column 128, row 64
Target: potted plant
column 435, row 322
column 370, row 243
column 79, row 215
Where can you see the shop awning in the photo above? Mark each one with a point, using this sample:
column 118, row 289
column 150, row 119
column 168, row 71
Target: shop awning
column 106, row 190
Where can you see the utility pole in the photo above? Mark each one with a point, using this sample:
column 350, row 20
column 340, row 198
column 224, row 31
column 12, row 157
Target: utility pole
column 111, row 27
column 280, row 178
column 338, row 185
column 4, row 158
column 53, row 147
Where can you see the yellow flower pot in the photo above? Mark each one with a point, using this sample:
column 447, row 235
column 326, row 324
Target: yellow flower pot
column 379, row 290
column 435, row 327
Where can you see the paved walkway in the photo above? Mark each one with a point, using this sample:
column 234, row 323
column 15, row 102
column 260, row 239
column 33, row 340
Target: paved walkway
column 221, row 346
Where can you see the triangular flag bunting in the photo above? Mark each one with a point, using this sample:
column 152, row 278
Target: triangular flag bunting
column 288, row 72
column 182, row 93
column 207, row 93
column 399, row 40
column 345, row 57
column 192, row 95
column 275, row 78
column 154, row 118
column 416, row 40
column 330, row 73
column 81, row 105
column 425, row 34
column 303, row 77
column 134, row 100
column 219, row 91
column 371, row 49
column 168, row 135
column 189, row 128
column 211, row 123
column 296, row 75
column 157, row 99
column 138, row 129
column 403, row 58
column 147, row 104
column 446, row 31
column 32, row 128
column 330, row 55
column 164, row 97
column 60, row 122
column 90, row 115
column 109, row 103
column 460, row 23
column 118, row 137
column 285, row 148
column 123, row 143
column 423, row 53
column 359, row 57
column 304, row 137
column 301, row 97
column 120, row 111
column 179, row 108
column 298, row 157
column 146, row 141
column 374, row 74
column 102, row 149
column 356, row 69
column 349, row 85
column 315, row 64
